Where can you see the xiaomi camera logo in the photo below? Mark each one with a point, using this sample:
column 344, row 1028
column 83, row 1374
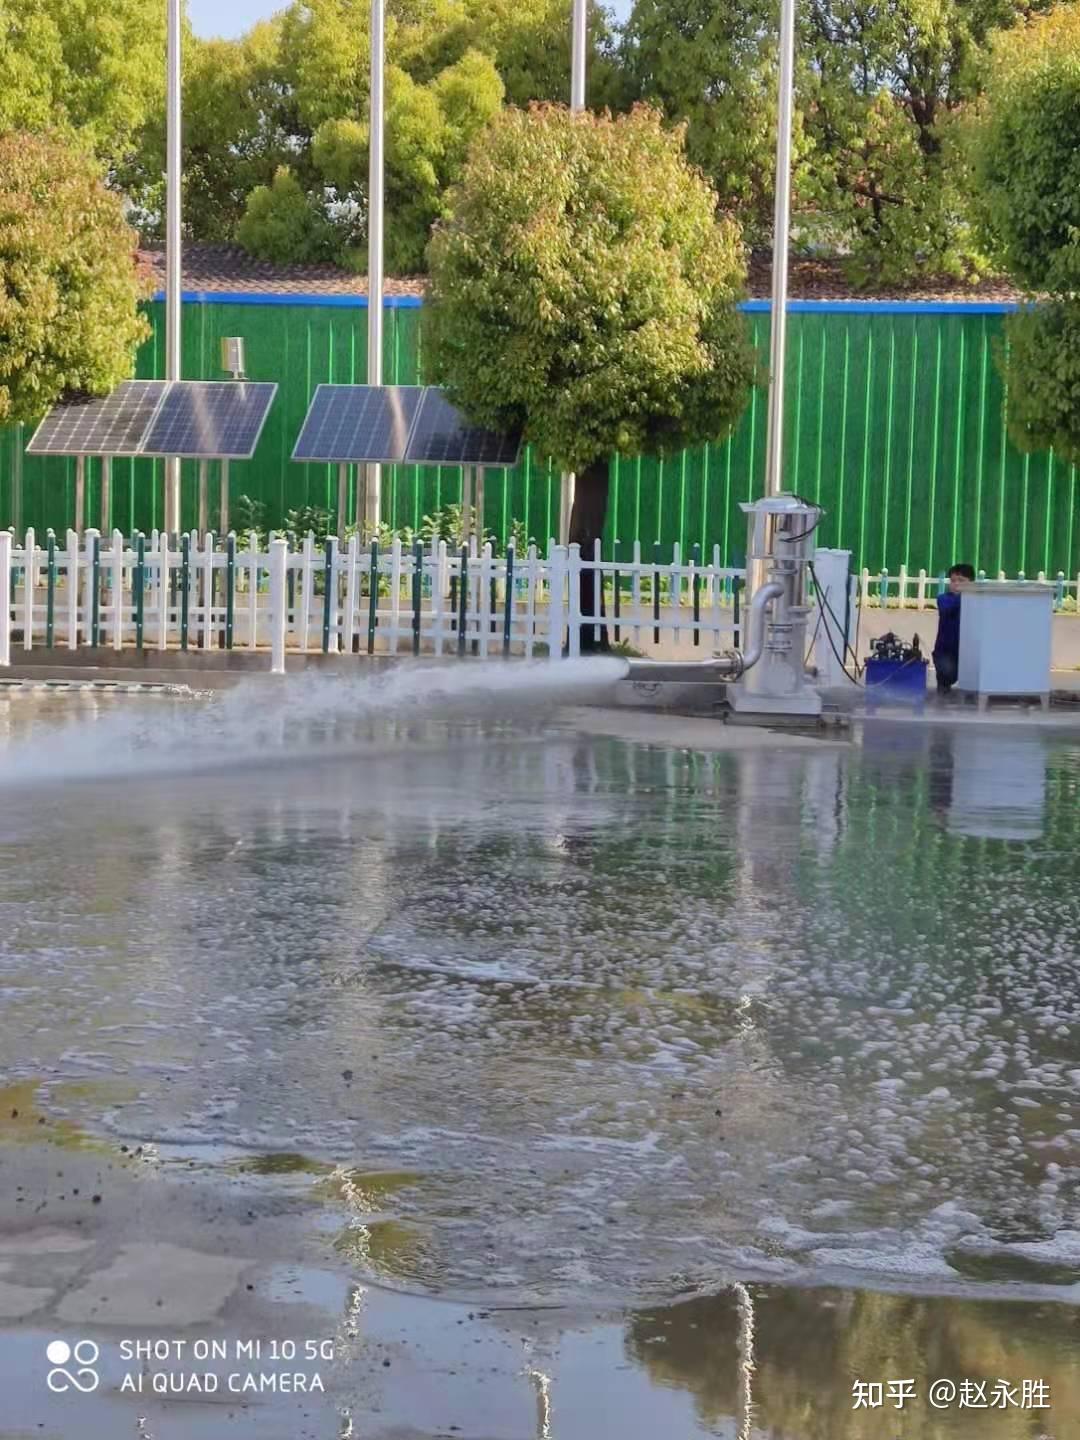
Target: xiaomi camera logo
column 82, row 1357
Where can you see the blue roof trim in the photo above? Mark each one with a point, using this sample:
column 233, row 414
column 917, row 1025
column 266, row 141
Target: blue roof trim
column 751, row 307
column 255, row 297
column 885, row 307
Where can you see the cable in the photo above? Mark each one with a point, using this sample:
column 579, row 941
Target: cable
column 825, row 606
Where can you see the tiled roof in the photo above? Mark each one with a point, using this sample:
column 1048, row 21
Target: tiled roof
column 226, row 268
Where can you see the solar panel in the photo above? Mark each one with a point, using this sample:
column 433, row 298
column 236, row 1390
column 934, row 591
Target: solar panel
column 210, row 419
column 358, row 423
column 442, row 436
column 108, row 425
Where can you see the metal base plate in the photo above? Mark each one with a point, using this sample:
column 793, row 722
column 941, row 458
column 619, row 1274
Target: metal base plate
column 744, row 702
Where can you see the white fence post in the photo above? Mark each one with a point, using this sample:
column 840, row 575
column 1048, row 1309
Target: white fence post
column 395, row 593
column 208, row 589
column 29, row 585
column 573, row 607
column 484, row 598
column 116, row 576
column 5, row 598
column 556, row 613
column 279, row 602
column 352, row 591
column 91, row 593
column 253, row 590
column 163, row 590
column 307, row 582
column 71, row 556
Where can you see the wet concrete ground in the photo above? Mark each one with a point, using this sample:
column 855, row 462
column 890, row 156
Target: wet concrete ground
column 572, row 1079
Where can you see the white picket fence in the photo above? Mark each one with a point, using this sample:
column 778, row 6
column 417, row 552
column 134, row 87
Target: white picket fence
column 905, row 590
column 119, row 592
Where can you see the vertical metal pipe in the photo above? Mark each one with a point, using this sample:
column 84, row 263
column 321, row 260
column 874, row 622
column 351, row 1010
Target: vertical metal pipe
column 106, row 494
column 80, row 494
column 579, row 30
column 204, row 496
column 373, row 487
column 342, row 500
column 774, row 448
column 224, row 498
column 173, row 176
column 579, row 41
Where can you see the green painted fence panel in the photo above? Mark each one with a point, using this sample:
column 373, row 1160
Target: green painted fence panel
column 894, row 423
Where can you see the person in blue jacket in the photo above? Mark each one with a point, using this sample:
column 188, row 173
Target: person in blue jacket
column 947, row 644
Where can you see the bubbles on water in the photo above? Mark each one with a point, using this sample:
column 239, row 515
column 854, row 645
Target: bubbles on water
column 635, row 1023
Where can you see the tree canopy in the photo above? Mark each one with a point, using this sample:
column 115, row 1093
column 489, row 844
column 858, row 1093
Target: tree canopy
column 90, row 66
column 1025, row 156
column 69, row 287
column 583, row 289
column 884, row 90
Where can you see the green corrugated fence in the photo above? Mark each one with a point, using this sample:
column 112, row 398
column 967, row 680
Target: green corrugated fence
column 894, row 423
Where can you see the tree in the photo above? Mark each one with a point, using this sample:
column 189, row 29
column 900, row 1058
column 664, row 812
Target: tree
column 881, row 90
column 584, row 291
column 281, row 225
column 714, row 66
column 878, row 175
column 93, row 68
column 69, row 287
column 1025, row 153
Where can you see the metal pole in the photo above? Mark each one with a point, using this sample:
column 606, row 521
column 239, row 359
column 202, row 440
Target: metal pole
column 342, row 500
column 579, row 31
column 106, row 494
column 224, row 497
column 579, row 40
column 204, row 496
column 373, row 487
column 172, row 246
column 774, row 445
column 80, row 494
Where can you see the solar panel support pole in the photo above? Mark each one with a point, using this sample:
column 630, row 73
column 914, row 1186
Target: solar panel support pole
column 106, row 493
column 173, row 176
column 204, row 496
column 342, row 499
column 17, row 443
column 80, row 494
column 466, row 504
column 774, row 444
column 376, row 120
column 579, row 40
column 480, row 505
column 224, row 517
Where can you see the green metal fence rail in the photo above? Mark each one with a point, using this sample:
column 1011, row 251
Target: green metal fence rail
column 895, row 425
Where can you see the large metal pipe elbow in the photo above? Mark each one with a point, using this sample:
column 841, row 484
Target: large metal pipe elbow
column 763, row 596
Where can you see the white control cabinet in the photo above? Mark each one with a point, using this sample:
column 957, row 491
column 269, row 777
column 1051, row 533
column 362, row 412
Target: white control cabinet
column 1005, row 636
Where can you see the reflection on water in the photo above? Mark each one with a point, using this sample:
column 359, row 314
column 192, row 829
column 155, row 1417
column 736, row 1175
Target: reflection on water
column 633, row 1021
column 812, row 1346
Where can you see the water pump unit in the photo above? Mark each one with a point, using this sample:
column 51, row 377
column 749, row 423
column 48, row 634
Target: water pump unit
column 780, row 547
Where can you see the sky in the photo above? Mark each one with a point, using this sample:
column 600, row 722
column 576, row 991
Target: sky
column 229, row 18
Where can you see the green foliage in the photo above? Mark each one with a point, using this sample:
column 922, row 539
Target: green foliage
column 584, row 290
column 714, row 66
column 250, row 517
column 88, row 67
column 1026, row 152
column 281, row 224
column 428, row 131
column 69, row 288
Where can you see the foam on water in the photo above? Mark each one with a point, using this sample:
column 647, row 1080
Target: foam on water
column 648, row 1017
